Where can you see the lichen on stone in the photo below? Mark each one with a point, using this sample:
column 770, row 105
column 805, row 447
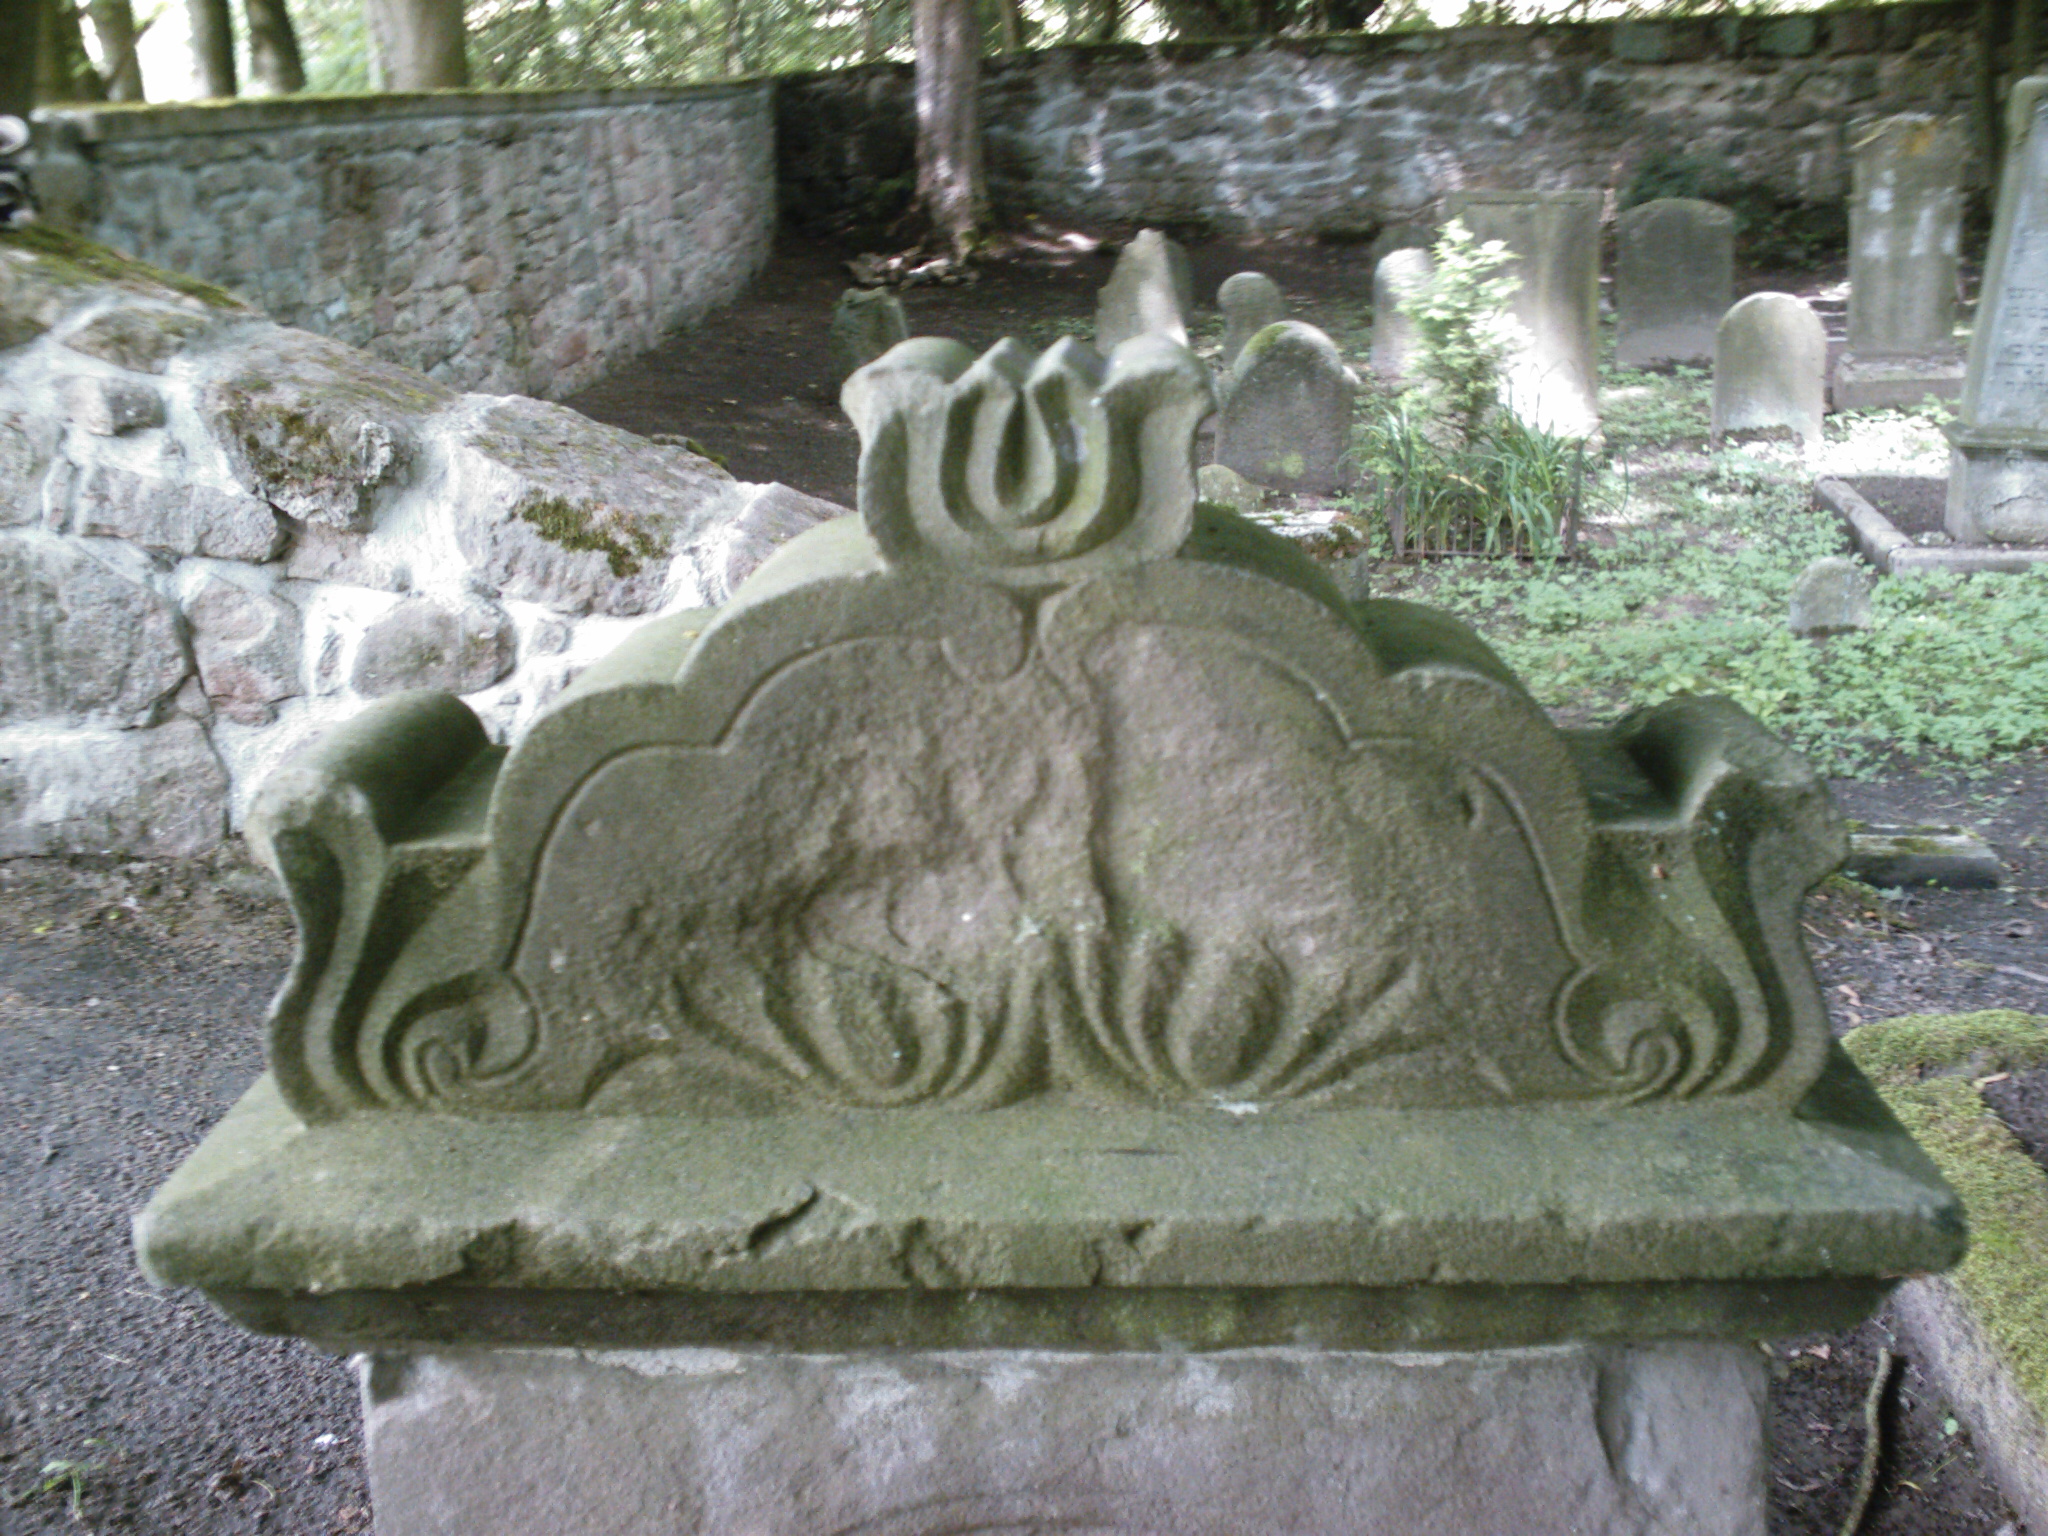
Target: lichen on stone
column 591, row 527
column 72, row 261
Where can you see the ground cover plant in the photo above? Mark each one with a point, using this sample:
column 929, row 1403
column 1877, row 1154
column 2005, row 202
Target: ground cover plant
column 1684, row 578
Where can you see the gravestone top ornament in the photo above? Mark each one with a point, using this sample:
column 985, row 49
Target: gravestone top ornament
column 1044, row 880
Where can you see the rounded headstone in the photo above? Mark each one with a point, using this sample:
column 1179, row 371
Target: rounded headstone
column 1250, row 302
column 1398, row 275
column 1287, row 423
column 866, row 322
column 1770, row 362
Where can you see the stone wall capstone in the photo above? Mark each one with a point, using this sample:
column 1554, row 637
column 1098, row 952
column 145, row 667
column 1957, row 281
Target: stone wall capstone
column 277, row 529
column 1345, row 133
column 526, row 242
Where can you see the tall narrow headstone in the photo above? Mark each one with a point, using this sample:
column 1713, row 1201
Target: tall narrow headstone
column 1905, row 238
column 1998, row 460
column 1250, row 302
column 1151, row 292
column 866, row 322
column 1555, row 238
column 1770, row 366
column 1287, row 423
column 1674, row 278
column 1399, row 274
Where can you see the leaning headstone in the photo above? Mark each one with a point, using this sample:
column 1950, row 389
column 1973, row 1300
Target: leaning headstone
column 1250, row 302
column 866, row 322
column 1399, row 274
column 1151, row 292
column 1674, row 278
column 1831, row 596
column 1287, row 423
column 1770, row 368
column 1555, row 239
column 1905, row 242
column 1040, row 1014
column 1998, row 458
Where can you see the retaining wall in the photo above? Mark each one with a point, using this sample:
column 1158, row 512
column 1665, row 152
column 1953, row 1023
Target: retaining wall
column 507, row 242
column 1341, row 134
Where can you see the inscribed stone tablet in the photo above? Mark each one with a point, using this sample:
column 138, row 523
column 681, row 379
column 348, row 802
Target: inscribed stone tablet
column 2007, row 385
column 1673, row 280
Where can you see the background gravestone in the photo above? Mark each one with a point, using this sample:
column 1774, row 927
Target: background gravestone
column 1998, row 460
column 1905, row 240
column 866, row 322
column 1250, row 302
column 1287, row 423
column 1770, row 367
column 1831, row 595
column 1555, row 238
column 1398, row 274
column 1674, row 278
column 1150, row 292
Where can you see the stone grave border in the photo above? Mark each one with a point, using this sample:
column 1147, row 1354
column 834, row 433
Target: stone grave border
column 1967, row 1358
column 1878, row 539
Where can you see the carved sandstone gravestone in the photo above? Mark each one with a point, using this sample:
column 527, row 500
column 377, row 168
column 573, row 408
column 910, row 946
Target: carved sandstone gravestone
column 1770, row 368
column 1674, row 277
column 1150, row 292
column 1555, row 237
column 998, row 1027
column 1287, row 423
column 1905, row 240
column 1998, row 459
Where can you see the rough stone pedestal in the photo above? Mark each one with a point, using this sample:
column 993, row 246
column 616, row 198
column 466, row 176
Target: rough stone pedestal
column 1664, row 1439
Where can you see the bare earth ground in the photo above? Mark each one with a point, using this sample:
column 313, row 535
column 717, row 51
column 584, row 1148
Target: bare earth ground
column 131, row 995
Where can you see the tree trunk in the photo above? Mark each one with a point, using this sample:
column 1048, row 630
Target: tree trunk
column 66, row 72
column 213, row 47
column 1111, row 21
column 275, row 66
column 1010, row 17
column 420, row 44
column 113, row 22
column 21, row 20
column 949, row 177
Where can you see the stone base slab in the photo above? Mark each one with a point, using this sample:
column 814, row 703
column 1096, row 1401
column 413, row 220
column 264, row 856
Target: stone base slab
column 1894, row 383
column 1657, row 1440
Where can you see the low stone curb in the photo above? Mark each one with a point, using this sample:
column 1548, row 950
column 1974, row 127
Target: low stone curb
column 1950, row 857
column 1878, row 540
column 1972, row 1329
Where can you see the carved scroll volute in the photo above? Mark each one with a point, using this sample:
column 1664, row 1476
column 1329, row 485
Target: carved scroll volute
column 324, row 824
column 1029, row 472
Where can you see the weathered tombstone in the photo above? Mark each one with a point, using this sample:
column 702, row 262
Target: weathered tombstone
column 1287, row 423
column 1003, row 1024
column 1770, row 368
column 1227, row 488
column 1250, row 302
column 1150, row 292
column 1555, row 238
column 1905, row 242
column 866, row 322
column 1831, row 595
column 1674, row 278
column 1399, row 274
column 1998, row 458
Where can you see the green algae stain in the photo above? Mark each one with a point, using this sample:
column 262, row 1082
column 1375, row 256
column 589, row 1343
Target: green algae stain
column 592, row 527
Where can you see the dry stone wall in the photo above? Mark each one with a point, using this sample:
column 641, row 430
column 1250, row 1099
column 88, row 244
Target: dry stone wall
column 1342, row 134
column 220, row 536
column 525, row 243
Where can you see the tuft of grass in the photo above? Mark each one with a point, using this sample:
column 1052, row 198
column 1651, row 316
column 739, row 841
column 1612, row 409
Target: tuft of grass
column 66, row 1475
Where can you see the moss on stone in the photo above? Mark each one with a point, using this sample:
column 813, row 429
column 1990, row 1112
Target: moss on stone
column 74, row 260
column 1928, row 1068
column 588, row 526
